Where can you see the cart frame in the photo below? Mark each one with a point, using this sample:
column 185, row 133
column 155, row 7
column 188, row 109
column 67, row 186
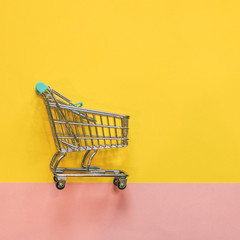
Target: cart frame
column 73, row 130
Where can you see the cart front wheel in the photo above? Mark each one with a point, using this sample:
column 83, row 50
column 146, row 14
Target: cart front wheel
column 122, row 184
column 60, row 185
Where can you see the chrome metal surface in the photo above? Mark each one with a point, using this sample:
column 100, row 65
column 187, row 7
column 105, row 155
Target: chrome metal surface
column 78, row 129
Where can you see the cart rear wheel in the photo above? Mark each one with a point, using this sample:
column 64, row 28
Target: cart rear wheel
column 55, row 178
column 122, row 183
column 115, row 181
column 60, row 185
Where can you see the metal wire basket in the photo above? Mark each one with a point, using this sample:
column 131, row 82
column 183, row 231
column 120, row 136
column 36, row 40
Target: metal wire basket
column 77, row 129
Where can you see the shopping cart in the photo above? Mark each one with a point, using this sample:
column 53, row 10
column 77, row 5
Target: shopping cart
column 77, row 129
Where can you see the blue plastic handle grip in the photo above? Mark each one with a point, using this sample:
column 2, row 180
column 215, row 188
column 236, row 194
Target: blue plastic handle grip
column 41, row 88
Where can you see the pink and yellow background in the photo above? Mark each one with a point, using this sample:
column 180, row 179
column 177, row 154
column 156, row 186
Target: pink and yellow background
column 173, row 66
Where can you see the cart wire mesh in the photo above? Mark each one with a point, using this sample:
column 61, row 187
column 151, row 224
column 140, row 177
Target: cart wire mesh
column 78, row 129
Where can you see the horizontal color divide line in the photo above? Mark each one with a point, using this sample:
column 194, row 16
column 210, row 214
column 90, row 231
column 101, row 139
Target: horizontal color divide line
column 89, row 211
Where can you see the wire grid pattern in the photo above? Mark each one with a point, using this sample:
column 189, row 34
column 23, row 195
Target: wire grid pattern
column 78, row 129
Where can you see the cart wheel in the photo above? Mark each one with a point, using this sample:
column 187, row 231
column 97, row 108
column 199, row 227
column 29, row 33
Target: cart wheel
column 115, row 181
column 122, row 184
column 55, row 178
column 60, row 185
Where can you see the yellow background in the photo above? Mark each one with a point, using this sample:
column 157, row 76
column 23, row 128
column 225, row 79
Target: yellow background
column 173, row 66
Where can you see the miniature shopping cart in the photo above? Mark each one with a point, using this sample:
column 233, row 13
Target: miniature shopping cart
column 77, row 129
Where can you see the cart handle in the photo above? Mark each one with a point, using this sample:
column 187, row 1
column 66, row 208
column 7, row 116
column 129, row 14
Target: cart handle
column 41, row 88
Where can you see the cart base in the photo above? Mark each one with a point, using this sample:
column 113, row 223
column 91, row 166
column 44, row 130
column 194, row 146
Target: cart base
column 61, row 174
column 60, row 177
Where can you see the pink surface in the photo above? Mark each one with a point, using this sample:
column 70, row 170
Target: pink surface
column 98, row 211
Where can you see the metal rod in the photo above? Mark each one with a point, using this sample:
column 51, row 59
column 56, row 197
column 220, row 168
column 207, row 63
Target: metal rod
column 88, row 110
column 89, row 124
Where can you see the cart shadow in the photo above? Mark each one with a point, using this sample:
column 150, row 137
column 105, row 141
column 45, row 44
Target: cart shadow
column 105, row 201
